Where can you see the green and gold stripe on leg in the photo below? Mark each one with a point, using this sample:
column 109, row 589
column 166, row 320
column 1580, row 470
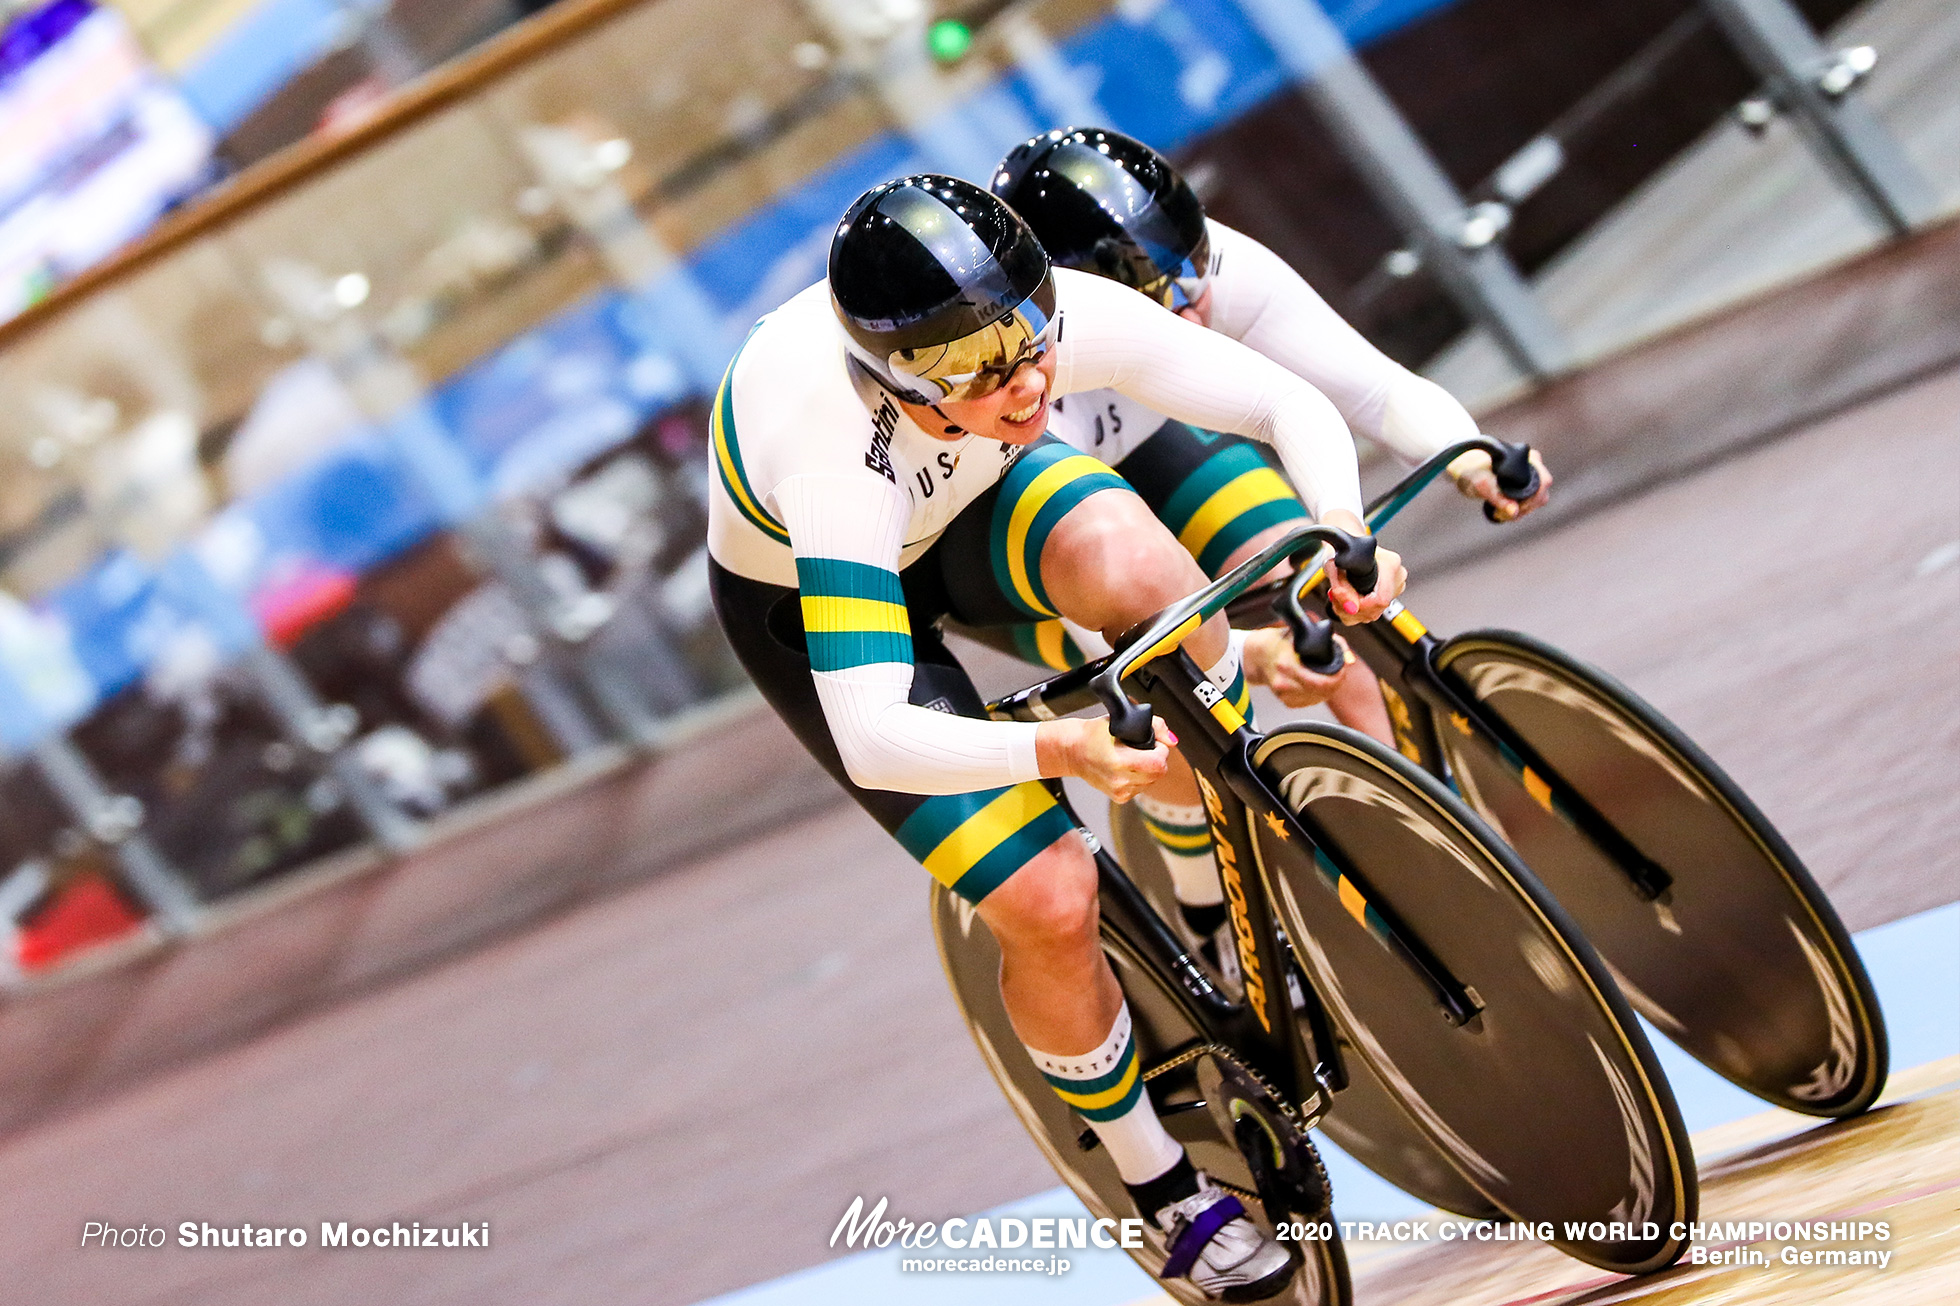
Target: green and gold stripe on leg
column 1042, row 487
column 853, row 614
column 1106, row 1097
column 1239, row 694
column 1232, row 497
column 972, row 842
column 1047, row 644
column 1178, row 838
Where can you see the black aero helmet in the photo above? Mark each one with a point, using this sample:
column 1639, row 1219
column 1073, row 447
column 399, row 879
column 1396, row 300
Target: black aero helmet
column 943, row 291
column 1103, row 202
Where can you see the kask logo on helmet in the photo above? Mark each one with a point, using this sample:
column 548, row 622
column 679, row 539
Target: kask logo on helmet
column 941, row 289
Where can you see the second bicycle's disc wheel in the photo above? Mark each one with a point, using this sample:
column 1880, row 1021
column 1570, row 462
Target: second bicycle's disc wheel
column 1743, row 962
column 1364, row 1121
column 1549, row 1100
column 972, row 961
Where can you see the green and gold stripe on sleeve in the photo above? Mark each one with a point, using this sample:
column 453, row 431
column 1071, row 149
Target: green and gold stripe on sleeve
column 853, row 614
column 728, row 461
column 972, row 842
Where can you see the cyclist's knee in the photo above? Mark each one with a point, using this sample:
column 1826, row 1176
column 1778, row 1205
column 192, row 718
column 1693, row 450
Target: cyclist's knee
column 1050, row 903
column 1115, row 563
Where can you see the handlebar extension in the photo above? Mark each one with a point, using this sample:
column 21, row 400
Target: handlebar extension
column 1130, row 721
column 1517, row 479
column 1356, row 559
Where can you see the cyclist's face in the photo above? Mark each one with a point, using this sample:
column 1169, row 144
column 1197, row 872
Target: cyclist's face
column 1016, row 413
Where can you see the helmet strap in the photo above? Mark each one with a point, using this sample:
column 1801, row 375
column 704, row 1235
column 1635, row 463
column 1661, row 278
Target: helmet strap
column 952, row 427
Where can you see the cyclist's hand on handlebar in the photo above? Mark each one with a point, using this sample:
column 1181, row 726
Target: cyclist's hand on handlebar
column 1353, row 608
column 1475, row 480
column 1271, row 661
column 1087, row 750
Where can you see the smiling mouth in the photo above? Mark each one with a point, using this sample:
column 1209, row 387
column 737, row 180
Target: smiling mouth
column 1026, row 415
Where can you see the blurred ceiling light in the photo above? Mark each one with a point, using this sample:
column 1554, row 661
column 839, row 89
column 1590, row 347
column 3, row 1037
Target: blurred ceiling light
column 872, row 21
column 1524, row 173
column 811, row 56
column 46, row 453
column 948, row 40
column 1402, row 263
column 72, row 417
column 1483, row 224
column 747, row 117
column 1756, row 114
column 614, row 154
column 534, row 201
column 351, row 291
column 149, row 492
column 1847, row 70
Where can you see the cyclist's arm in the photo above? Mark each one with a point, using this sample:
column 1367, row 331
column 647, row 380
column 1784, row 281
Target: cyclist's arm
column 1259, row 299
column 1113, row 337
column 846, row 532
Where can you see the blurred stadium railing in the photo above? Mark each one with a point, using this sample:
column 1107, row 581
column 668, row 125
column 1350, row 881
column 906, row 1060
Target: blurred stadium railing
column 369, row 485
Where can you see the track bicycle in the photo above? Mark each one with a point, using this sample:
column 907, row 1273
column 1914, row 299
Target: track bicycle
column 1713, row 927
column 1384, row 937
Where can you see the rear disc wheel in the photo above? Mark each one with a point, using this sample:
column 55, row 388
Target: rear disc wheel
column 972, row 962
column 1743, row 961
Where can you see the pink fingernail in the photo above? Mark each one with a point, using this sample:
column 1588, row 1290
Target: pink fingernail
column 1350, row 606
column 1172, row 735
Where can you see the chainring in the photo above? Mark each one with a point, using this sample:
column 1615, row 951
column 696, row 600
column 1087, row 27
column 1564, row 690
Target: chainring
column 1286, row 1167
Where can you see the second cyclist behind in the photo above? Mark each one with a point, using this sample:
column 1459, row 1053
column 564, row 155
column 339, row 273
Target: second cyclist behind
column 1104, row 203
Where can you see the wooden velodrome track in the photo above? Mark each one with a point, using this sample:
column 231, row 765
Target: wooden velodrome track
column 1899, row 1166
column 674, row 1092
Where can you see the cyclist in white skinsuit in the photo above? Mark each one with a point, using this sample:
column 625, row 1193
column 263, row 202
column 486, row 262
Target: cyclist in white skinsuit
column 1106, row 203
column 882, row 464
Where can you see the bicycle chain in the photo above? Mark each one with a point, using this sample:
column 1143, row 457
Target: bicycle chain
column 1186, row 1057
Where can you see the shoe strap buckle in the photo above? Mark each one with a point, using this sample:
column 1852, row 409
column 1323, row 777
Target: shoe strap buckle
column 1192, row 1236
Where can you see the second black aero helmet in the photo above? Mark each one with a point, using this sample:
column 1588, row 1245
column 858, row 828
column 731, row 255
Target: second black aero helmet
column 942, row 290
column 1103, row 202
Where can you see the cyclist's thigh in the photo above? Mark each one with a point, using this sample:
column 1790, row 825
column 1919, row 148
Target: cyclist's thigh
column 969, row 842
column 1061, row 532
column 987, row 565
column 1216, row 493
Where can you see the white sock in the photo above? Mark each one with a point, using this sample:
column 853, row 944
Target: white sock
column 1091, row 642
column 1183, row 836
column 1105, row 1087
column 1228, row 673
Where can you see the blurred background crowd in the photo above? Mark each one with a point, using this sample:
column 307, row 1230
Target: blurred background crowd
column 356, row 355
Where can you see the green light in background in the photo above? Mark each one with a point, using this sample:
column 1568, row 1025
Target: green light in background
column 949, row 39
